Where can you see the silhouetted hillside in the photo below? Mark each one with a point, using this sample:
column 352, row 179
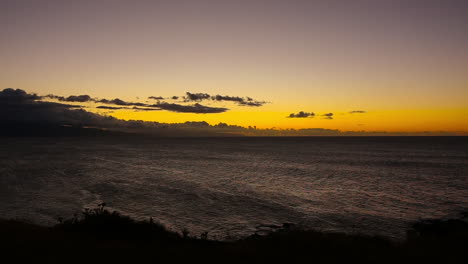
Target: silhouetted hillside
column 101, row 236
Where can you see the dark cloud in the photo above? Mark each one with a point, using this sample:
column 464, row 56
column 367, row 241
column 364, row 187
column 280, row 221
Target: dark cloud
column 197, row 124
column 196, row 96
column 79, row 98
column 52, row 96
column 239, row 100
column 328, row 116
column 301, row 114
column 72, row 98
column 156, row 97
column 145, row 108
column 86, row 98
column 19, row 109
column 10, row 95
column 118, row 101
column 111, row 107
column 228, row 98
column 17, row 106
column 357, row 112
column 196, row 108
column 114, row 101
column 255, row 103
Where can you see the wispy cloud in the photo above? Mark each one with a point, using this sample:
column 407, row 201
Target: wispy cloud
column 357, row 112
column 328, row 116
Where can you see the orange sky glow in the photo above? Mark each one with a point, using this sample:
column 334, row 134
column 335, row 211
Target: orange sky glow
column 404, row 67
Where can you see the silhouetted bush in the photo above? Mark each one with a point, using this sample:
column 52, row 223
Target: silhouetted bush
column 112, row 225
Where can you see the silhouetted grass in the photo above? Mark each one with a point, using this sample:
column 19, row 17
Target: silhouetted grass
column 99, row 235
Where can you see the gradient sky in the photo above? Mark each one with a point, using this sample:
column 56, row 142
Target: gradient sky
column 403, row 62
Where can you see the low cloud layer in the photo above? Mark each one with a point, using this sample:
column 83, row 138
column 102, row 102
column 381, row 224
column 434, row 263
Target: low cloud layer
column 328, row 116
column 24, row 113
column 301, row 114
column 182, row 106
column 162, row 105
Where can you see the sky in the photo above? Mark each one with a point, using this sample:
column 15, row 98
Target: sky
column 396, row 66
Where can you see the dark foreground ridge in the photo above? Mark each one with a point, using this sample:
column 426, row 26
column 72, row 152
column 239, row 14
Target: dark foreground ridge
column 101, row 236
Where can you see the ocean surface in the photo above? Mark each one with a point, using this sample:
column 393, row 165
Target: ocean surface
column 229, row 186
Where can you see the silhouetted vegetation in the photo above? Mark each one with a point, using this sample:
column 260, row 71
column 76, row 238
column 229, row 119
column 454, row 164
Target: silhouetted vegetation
column 99, row 235
column 104, row 224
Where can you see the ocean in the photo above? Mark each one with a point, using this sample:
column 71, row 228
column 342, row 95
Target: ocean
column 230, row 186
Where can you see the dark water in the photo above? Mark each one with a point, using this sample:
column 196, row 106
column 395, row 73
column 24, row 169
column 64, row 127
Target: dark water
column 227, row 186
